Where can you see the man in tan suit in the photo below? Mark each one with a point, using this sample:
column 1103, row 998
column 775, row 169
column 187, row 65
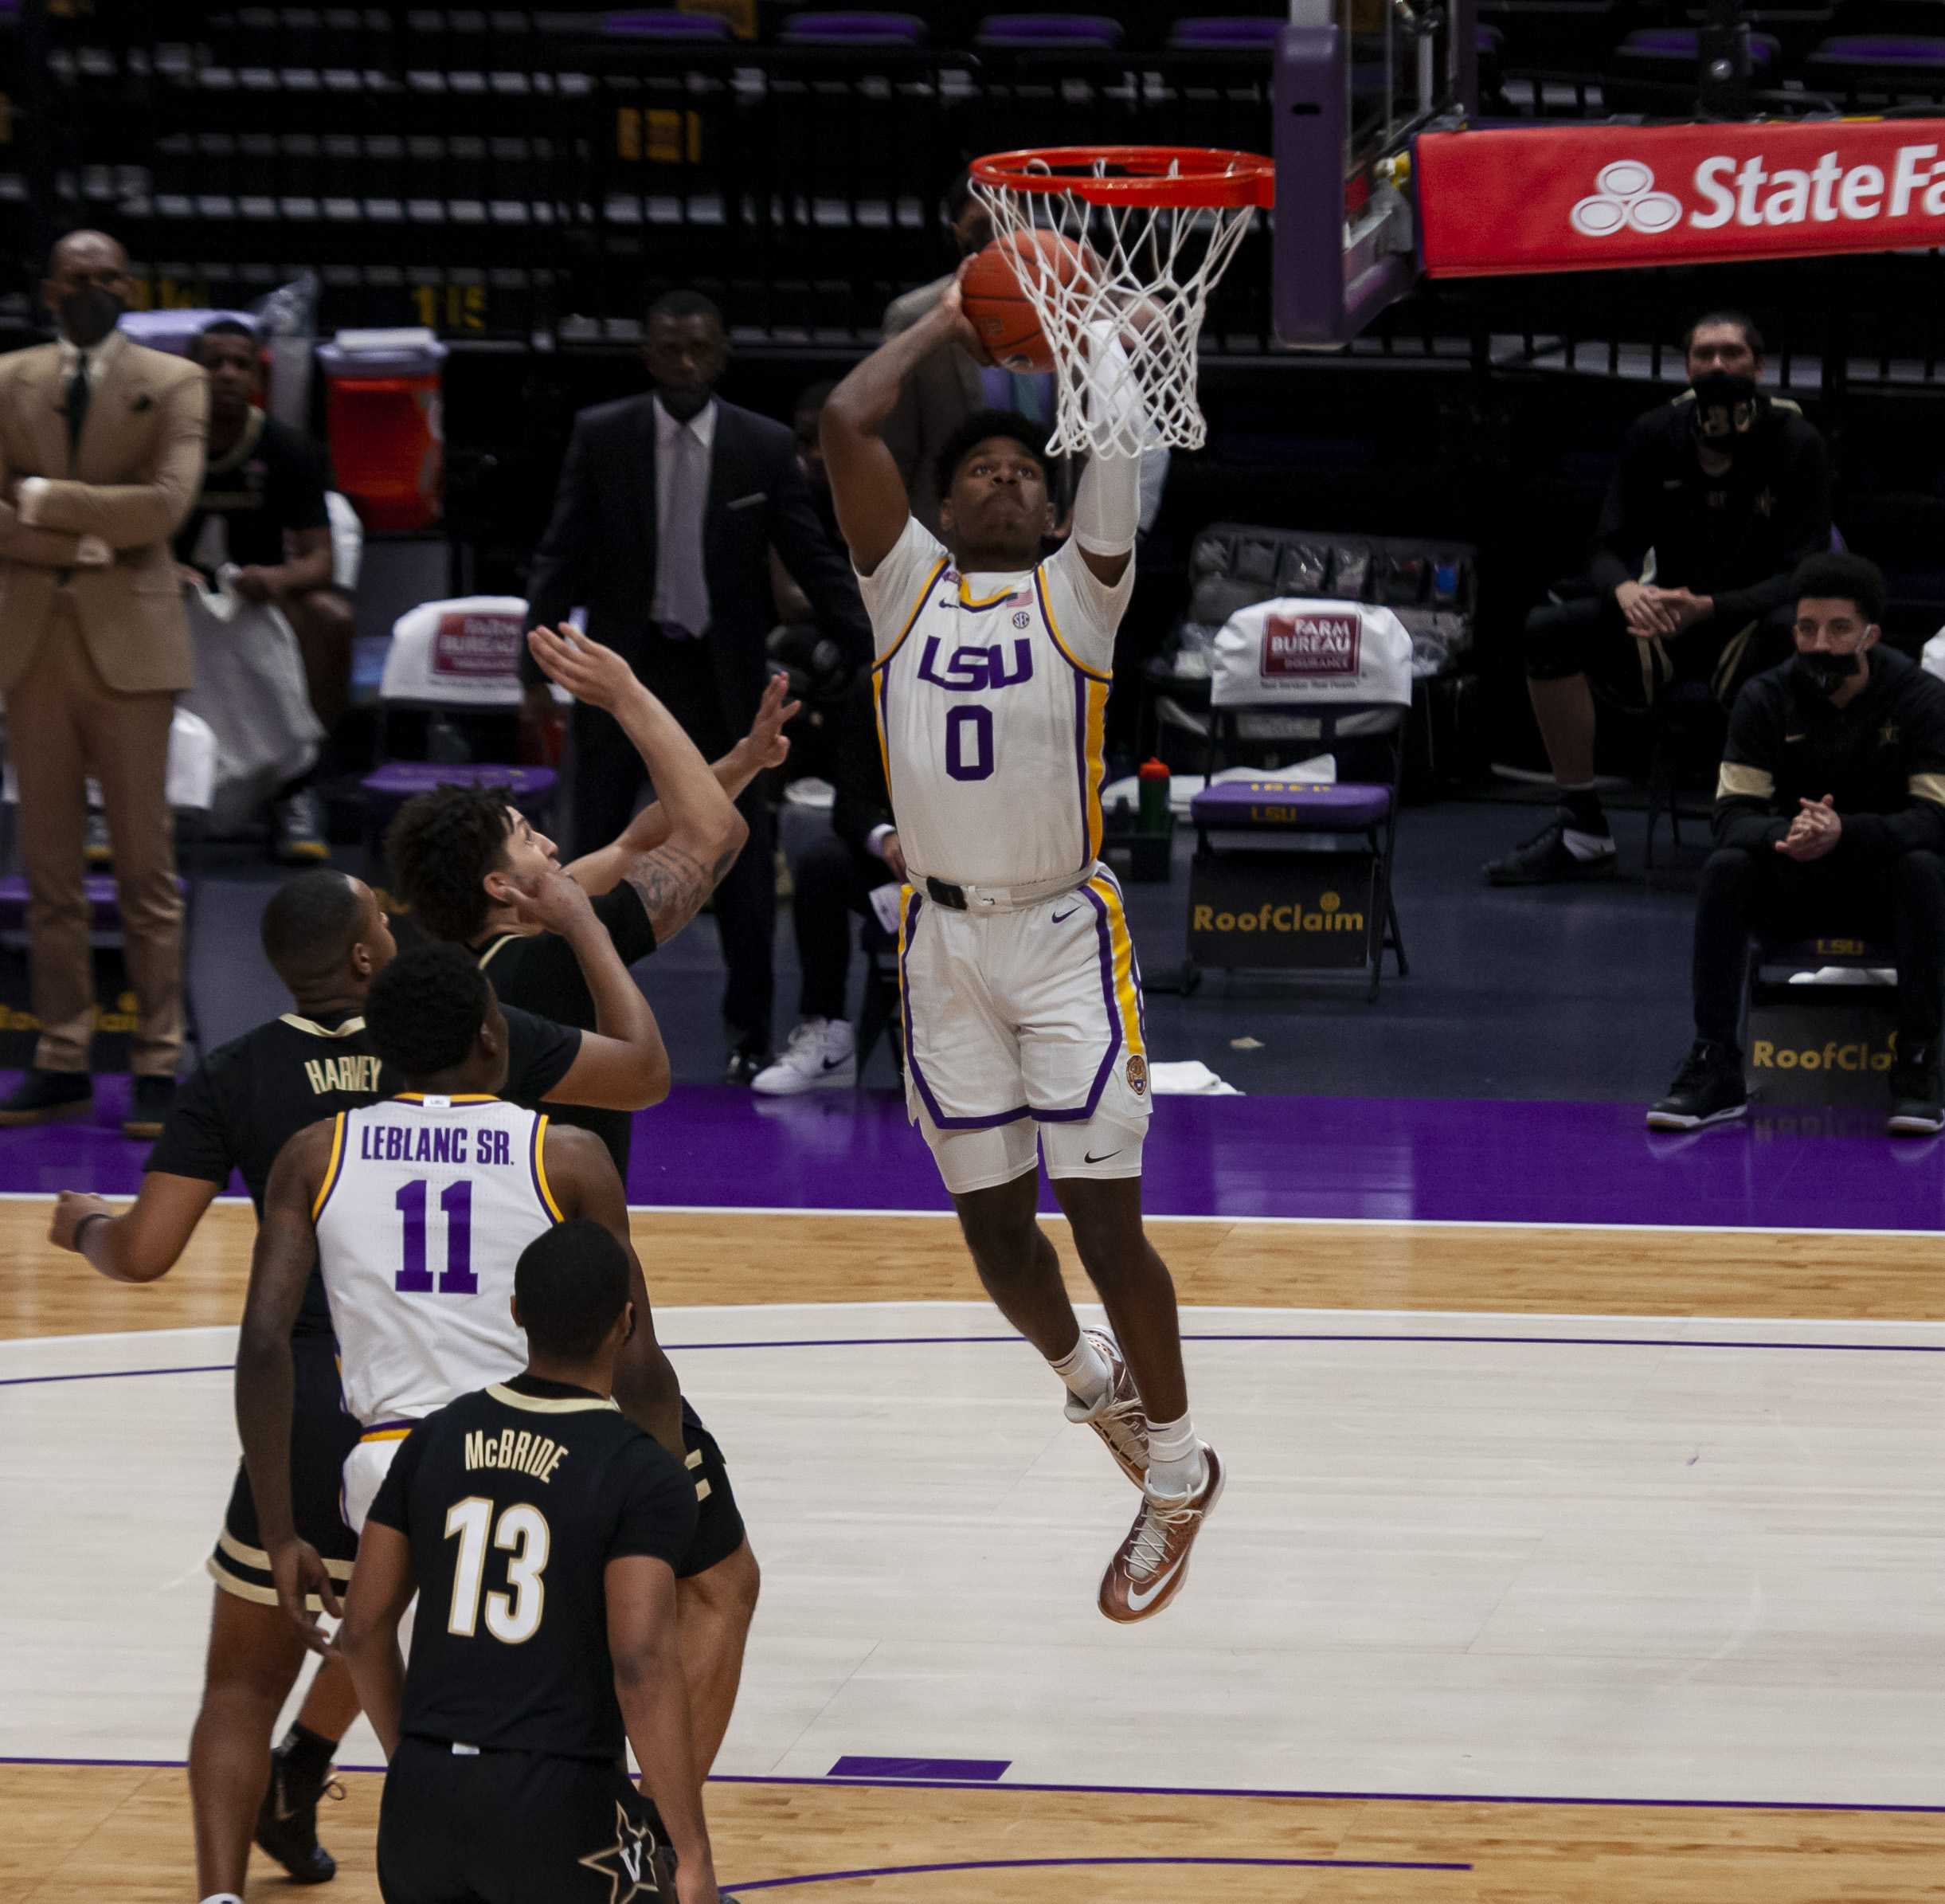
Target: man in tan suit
column 101, row 452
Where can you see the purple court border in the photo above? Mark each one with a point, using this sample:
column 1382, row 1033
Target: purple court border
column 1010, row 1784
column 1009, row 1864
column 931, row 1341
column 864, row 1766
column 1392, row 1160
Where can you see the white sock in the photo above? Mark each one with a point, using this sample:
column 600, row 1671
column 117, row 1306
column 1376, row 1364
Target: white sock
column 1174, row 1462
column 223, row 1896
column 1085, row 1371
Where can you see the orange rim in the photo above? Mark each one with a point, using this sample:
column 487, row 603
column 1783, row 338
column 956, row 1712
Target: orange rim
column 1184, row 177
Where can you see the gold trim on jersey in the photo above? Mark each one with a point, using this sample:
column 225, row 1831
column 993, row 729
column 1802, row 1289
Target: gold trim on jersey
column 386, row 1434
column 911, row 621
column 1736, row 781
column 1053, row 628
column 462, row 1097
column 540, row 1169
column 348, row 1028
column 257, row 1557
column 331, row 1170
column 966, row 601
column 550, row 1405
column 498, row 946
column 1121, row 947
column 1928, row 786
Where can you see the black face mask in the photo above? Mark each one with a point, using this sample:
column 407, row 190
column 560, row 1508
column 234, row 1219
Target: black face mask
column 88, row 315
column 1726, row 409
column 1826, row 673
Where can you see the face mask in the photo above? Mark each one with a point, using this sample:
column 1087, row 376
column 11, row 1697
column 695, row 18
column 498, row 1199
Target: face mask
column 87, row 315
column 1826, row 672
column 1726, row 407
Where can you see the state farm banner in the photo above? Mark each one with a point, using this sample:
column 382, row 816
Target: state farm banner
column 1603, row 197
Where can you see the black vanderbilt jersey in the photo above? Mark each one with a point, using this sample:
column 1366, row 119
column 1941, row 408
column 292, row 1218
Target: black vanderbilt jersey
column 515, row 1498
column 250, row 1097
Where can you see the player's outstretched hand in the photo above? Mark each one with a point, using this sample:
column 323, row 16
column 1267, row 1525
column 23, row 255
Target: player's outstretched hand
column 70, row 1208
column 959, row 326
column 552, row 901
column 765, row 744
column 299, row 1571
column 588, row 672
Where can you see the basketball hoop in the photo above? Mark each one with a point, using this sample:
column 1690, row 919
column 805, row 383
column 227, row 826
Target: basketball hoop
column 1157, row 226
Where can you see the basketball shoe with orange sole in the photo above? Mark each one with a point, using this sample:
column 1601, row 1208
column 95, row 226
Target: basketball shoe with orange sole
column 1148, row 1572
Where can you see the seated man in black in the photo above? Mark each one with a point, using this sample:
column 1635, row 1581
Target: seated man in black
column 1727, row 489
column 831, row 881
column 1829, row 817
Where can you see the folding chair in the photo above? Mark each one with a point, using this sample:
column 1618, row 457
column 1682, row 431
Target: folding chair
column 1302, row 881
column 454, row 667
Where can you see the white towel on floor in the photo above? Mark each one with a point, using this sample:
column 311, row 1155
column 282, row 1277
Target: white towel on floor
column 1188, row 1079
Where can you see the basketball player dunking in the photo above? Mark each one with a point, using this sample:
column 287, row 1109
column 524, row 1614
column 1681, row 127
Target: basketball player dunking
column 1022, row 994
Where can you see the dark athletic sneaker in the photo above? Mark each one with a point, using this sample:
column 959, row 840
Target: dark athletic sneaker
column 1707, row 1089
column 1916, row 1109
column 287, row 1822
column 1546, row 860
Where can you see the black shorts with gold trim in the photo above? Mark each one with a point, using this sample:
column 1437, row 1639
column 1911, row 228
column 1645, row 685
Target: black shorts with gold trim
column 322, row 1435
column 718, row 1520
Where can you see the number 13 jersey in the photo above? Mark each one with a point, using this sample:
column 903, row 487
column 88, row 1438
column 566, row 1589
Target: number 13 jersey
column 425, row 1207
column 991, row 692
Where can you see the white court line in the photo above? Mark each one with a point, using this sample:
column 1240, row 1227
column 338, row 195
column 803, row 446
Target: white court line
column 1399, row 1223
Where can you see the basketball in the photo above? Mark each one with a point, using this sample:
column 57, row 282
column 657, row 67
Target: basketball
column 1000, row 311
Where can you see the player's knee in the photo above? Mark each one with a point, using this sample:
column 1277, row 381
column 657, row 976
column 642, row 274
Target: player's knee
column 1551, row 645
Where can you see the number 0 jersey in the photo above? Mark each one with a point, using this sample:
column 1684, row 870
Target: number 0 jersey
column 425, row 1207
column 992, row 694
column 515, row 1500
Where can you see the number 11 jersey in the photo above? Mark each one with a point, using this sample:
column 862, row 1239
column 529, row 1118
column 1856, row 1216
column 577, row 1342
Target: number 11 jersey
column 424, row 1209
column 991, row 692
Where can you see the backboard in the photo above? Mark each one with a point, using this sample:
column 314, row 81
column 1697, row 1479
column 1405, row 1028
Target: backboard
column 1355, row 80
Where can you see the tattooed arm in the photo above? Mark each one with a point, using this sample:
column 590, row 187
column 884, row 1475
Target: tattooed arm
column 704, row 831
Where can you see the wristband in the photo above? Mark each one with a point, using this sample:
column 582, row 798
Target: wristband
column 80, row 1229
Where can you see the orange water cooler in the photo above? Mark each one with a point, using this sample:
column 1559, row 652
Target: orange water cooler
column 383, row 415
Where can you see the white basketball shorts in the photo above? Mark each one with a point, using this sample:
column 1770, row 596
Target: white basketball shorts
column 1027, row 1024
column 365, row 1469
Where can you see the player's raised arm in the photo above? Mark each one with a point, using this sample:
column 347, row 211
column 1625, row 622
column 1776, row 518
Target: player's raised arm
column 1107, row 502
column 280, row 1267
column 622, row 1063
column 382, row 1586
column 585, row 1184
column 872, row 508
column 644, row 1642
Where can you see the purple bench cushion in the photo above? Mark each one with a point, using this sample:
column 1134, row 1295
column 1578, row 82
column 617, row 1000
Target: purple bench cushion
column 1024, row 31
column 401, row 779
column 1685, row 43
column 1226, row 30
column 1287, row 805
column 1879, row 49
column 104, row 912
column 665, row 23
column 854, row 29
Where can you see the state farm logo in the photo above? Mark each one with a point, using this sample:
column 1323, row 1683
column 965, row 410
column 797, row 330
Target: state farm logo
column 1304, row 646
column 1624, row 195
column 1748, row 191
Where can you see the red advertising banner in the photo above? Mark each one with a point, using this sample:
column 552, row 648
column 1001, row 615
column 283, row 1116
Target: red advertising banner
column 1605, row 198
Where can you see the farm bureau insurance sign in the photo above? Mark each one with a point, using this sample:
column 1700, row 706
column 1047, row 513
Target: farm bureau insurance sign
column 1599, row 197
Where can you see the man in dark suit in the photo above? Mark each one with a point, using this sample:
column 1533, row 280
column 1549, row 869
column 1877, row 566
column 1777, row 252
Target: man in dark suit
column 667, row 507
column 832, row 878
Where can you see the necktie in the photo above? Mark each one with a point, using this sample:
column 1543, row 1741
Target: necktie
column 681, row 586
column 78, row 394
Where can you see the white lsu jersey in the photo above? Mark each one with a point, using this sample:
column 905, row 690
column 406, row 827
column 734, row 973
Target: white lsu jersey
column 992, row 693
column 424, row 1209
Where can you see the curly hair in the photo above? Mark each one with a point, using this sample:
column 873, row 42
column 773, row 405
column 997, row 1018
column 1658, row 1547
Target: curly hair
column 1030, row 436
column 425, row 1008
column 571, row 1282
column 441, row 848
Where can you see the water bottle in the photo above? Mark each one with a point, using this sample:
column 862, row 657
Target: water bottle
column 1153, row 810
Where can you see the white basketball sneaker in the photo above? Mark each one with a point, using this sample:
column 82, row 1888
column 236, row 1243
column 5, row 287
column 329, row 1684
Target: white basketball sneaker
column 822, row 1052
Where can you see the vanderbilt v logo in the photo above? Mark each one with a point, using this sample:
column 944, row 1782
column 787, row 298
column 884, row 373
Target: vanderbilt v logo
column 629, row 1863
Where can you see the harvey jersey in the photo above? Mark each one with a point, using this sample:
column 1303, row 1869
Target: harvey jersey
column 425, row 1207
column 993, row 696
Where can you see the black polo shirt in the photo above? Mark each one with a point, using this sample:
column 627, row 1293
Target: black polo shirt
column 272, row 483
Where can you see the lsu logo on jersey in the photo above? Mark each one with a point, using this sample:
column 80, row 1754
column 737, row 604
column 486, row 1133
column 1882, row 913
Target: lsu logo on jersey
column 975, row 670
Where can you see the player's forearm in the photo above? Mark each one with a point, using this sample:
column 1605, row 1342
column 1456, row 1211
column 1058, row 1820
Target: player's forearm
column 655, row 1707
column 865, row 400
column 114, row 1246
column 620, row 1011
column 264, row 1388
column 651, row 828
column 378, row 1672
column 696, row 809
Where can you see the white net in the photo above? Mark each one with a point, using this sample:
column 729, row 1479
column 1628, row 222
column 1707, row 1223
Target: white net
column 1123, row 314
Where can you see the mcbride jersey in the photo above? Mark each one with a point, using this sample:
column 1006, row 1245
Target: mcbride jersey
column 992, row 695
column 425, row 1207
